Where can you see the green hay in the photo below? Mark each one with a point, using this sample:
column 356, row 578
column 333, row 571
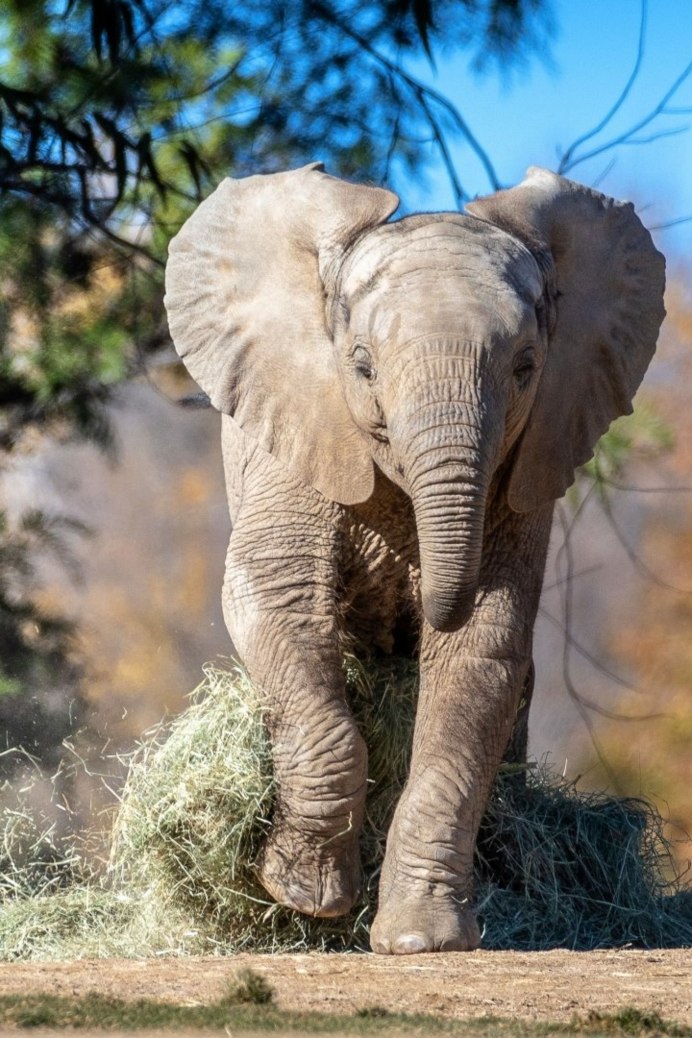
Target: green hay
column 554, row 868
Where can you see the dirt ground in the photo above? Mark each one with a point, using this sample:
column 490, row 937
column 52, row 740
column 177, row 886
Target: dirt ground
column 550, row 985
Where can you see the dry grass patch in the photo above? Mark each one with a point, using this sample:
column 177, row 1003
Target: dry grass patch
column 554, row 868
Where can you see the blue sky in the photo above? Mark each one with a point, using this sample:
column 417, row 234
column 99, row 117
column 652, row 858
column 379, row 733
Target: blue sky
column 536, row 112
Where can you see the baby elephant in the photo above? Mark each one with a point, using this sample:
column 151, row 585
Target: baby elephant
column 403, row 402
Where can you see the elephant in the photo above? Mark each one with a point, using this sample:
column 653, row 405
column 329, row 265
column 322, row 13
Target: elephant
column 403, row 401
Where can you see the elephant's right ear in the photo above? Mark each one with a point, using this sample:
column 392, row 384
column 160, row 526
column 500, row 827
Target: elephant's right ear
column 245, row 301
column 606, row 278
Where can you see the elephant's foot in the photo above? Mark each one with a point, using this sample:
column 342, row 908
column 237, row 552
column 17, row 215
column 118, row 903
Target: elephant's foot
column 316, row 877
column 432, row 920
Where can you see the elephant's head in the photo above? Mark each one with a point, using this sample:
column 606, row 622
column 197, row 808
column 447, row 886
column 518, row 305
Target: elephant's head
column 445, row 348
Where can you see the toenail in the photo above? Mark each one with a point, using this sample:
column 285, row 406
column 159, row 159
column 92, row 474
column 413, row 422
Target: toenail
column 410, row 944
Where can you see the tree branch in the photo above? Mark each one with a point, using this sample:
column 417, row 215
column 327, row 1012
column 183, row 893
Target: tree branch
column 424, row 95
column 565, row 161
column 626, row 137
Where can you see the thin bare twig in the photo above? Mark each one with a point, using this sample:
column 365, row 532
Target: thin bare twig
column 572, row 691
column 616, row 678
column 444, row 151
column 640, row 566
column 660, row 135
column 566, row 159
column 644, row 490
column 627, row 136
column 670, row 223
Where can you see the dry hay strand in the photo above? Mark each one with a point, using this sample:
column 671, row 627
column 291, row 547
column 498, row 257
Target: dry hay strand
column 198, row 801
column 557, row 868
column 554, row 867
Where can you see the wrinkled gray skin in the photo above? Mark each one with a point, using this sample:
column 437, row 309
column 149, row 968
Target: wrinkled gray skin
column 403, row 403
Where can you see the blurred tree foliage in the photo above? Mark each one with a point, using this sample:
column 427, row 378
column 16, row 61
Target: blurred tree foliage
column 646, row 738
column 36, row 661
column 116, row 116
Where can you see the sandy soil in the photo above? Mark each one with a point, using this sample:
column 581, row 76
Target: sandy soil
column 534, row 986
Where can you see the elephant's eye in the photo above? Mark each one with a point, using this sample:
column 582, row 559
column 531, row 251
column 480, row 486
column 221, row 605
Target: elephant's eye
column 524, row 366
column 362, row 362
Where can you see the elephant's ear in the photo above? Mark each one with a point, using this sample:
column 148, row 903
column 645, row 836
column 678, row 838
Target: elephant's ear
column 608, row 308
column 245, row 301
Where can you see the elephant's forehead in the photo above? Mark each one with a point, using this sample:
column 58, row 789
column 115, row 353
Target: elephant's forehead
column 454, row 250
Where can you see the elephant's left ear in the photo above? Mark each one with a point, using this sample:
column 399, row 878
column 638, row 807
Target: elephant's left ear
column 608, row 309
column 246, row 282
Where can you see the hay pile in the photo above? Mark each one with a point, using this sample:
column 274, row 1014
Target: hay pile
column 554, row 868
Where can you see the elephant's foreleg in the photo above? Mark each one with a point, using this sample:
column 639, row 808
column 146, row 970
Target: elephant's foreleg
column 279, row 607
column 471, row 683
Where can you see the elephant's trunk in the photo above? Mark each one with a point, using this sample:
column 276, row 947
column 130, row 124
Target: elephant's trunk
column 450, row 516
column 448, row 465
